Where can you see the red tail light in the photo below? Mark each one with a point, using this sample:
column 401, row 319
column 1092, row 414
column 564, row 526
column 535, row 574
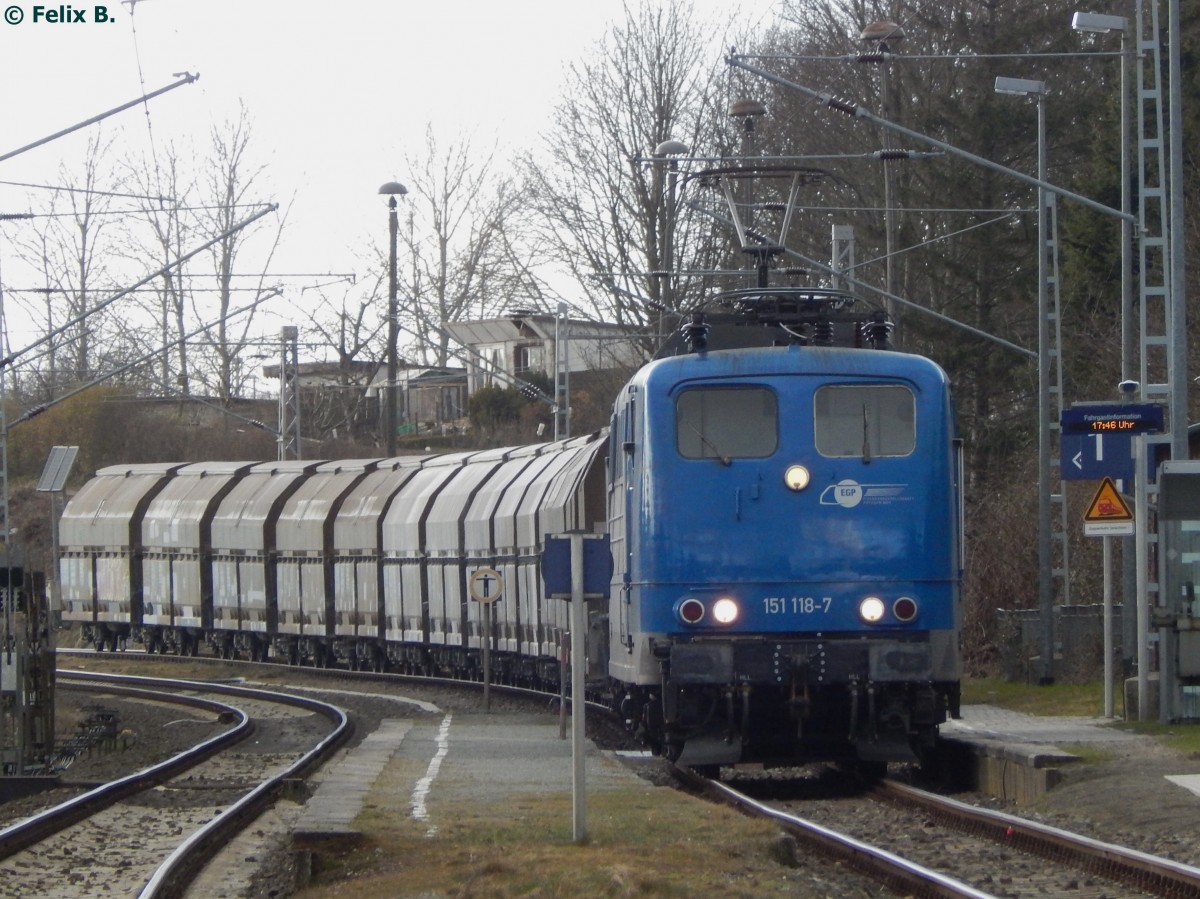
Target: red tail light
column 905, row 608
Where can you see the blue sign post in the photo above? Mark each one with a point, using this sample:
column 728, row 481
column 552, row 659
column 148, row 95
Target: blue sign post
column 1097, row 441
column 1093, row 457
column 577, row 566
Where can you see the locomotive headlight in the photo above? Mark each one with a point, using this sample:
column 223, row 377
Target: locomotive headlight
column 796, row 477
column 871, row 609
column 725, row 611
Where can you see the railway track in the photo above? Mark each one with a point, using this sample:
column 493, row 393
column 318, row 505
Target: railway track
column 923, row 844
column 148, row 833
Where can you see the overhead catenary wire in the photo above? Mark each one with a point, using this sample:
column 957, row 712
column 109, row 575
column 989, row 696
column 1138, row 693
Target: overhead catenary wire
column 10, row 359
column 141, row 360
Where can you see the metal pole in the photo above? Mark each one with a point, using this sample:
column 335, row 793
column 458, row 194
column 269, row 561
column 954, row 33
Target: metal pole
column 1140, row 508
column 1108, row 629
column 487, row 656
column 1129, row 353
column 564, row 656
column 578, row 706
column 288, row 439
column 1045, row 562
column 1168, row 660
column 889, row 194
column 389, row 419
column 562, row 373
column 669, row 281
column 1128, row 335
column 186, row 78
column 1177, row 326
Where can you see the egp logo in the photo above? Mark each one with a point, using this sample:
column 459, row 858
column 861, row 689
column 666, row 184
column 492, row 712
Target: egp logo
column 847, row 494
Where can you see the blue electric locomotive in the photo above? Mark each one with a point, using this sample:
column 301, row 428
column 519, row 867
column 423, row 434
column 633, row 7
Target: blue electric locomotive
column 784, row 524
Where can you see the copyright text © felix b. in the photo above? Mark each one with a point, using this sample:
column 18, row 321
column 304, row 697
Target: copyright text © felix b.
column 62, row 14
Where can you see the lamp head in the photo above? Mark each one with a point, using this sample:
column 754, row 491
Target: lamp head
column 1097, row 23
column 672, row 148
column 1020, row 86
column 881, row 31
column 739, row 109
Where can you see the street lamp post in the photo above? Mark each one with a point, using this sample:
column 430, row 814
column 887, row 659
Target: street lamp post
column 670, row 150
column 881, row 33
column 1037, row 89
column 392, row 190
column 1102, row 24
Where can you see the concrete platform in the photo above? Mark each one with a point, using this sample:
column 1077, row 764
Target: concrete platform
column 1018, row 757
column 444, row 763
column 328, row 817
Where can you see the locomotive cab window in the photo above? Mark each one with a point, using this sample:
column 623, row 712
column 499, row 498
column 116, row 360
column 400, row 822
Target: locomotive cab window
column 864, row 421
column 726, row 423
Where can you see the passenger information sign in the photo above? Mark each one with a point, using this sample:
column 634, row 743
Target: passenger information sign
column 1126, row 418
column 1090, row 457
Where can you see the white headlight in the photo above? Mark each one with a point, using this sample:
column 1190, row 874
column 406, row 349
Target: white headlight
column 725, row 611
column 871, row 609
column 796, row 477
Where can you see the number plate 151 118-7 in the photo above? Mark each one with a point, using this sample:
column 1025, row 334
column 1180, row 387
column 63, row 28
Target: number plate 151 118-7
column 796, row 605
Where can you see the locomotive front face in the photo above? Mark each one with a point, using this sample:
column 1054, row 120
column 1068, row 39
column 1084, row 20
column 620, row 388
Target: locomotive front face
column 783, row 502
column 791, row 523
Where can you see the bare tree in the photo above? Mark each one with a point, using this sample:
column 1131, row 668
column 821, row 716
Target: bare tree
column 600, row 198
column 352, row 327
column 171, row 227
column 463, row 256
column 70, row 254
column 229, row 186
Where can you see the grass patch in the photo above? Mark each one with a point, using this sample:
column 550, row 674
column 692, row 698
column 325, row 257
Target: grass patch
column 1184, row 738
column 1052, row 699
column 643, row 841
column 1076, row 699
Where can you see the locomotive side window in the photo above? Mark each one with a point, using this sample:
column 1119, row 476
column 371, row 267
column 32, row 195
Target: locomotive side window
column 726, row 423
column 864, row 421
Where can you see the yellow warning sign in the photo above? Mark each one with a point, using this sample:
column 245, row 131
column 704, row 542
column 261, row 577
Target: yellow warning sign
column 1108, row 505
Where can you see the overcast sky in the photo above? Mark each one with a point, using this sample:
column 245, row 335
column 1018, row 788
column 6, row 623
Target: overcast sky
column 337, row 93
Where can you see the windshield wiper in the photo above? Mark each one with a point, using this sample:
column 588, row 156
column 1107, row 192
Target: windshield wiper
column 725, row 460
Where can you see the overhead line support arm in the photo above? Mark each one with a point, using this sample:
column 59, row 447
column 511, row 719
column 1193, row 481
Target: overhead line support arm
column 853, row 109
